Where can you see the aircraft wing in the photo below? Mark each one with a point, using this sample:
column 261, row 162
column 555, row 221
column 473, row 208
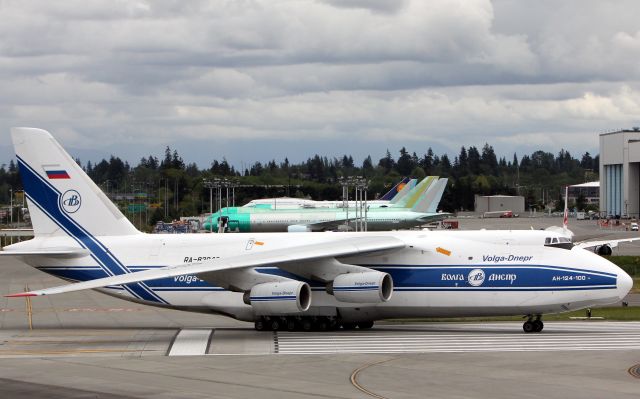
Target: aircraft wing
column 328, row 250
column 592, row 245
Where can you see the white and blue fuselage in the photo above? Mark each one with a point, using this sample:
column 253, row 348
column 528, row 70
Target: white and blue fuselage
column 470, row 273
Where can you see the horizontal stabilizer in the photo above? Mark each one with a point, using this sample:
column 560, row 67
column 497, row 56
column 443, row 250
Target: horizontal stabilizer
column 50, row 253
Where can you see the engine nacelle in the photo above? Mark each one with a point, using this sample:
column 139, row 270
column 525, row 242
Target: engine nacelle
column 603, row 250
column 285, row 297
column 298, row 228
column 365, row 287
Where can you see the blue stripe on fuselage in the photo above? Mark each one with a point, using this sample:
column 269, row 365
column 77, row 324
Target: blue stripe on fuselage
column 506, row 278
column 411, row 279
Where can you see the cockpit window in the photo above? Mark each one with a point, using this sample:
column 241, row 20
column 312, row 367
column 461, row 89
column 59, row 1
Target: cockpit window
column 558, row 242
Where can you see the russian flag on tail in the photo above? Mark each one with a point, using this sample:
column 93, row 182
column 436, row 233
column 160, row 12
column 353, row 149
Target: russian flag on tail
column 57, row 174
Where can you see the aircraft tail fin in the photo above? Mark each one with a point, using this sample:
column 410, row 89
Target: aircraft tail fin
column 430, row 201
column 389, row 195
column 564, row 230
column 410, row 200
column 404, row 191
column 62, row 199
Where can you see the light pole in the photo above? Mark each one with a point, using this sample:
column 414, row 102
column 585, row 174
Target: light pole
column 361, row 185
column 107, row 183
column 209, row 184
column 166, row 188
column 235, row 182
column 11, row 206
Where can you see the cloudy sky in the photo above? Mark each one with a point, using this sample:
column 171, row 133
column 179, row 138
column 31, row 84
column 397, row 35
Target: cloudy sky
column 255, row 80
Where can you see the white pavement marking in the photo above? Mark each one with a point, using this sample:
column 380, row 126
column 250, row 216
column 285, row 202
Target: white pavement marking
column 191, row 342
column 463, row 337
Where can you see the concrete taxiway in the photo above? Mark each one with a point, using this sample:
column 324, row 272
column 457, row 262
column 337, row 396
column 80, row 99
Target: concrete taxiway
column 86, row 344
column 491, row 370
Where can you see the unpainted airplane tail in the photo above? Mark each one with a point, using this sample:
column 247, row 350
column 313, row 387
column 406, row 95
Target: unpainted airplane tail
column 62, row 199
column 412, row 198
column 430, row 201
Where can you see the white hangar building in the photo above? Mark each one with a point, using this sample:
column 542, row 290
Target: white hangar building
column 620, row 173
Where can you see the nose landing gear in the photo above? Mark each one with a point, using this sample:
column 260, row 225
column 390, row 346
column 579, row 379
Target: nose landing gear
column 533, row 326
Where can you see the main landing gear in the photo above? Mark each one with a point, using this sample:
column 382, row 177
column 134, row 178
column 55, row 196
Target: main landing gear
column 306, row 323
column 533, row 326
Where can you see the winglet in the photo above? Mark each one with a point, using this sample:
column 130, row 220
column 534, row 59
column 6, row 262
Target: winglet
column 20, row 294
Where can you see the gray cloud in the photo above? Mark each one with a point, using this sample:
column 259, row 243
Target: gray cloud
column 217, row 78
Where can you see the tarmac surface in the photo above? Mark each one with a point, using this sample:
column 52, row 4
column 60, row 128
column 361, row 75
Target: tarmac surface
column 89, row 345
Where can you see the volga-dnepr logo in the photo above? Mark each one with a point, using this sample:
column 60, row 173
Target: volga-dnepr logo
column 70, row 201
column 476, row 277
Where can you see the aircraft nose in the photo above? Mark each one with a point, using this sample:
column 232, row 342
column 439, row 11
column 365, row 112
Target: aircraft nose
column 625, row 282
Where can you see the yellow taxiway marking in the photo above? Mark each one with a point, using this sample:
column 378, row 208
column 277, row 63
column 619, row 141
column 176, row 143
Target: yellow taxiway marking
column 29, row 308
column 356, row 384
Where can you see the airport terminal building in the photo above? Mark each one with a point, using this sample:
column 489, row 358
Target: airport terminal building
column 620, row 173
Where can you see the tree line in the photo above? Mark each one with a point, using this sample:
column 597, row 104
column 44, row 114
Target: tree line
column 175, row 188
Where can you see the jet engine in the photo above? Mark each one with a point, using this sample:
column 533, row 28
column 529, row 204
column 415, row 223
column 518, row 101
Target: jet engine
column 363, row 287
column 298, row 228
column 283, row 297
column 603, row 250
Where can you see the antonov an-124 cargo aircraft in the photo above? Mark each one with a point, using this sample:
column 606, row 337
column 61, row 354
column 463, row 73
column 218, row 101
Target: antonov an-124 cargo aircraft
column 297, row 281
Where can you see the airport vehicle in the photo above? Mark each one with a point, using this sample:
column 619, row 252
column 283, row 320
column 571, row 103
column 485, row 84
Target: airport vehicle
column 498, row 214
column 397, row 192
column 296, row 281
column 423, row 210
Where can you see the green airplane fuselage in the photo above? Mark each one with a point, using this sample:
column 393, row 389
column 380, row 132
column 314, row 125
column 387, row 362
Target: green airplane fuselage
column 243, row 219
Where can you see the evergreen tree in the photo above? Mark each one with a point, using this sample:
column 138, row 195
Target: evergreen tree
column 427, row 162
column 387, row 163
column 404, row 164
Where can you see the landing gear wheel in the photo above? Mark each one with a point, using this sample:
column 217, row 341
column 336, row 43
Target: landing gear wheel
column 275, row 324
column 528, row 326
column 306, row 325
column 260, row 325
column 321, row 324
column 365, row 325
column 348, row 326
column 333, row 324
column 537, row 325
column 291, row 325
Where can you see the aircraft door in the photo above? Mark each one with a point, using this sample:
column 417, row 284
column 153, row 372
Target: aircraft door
column 223, row 222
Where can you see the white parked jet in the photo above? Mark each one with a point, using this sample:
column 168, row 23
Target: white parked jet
column 306, row 280
column 397, row 192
